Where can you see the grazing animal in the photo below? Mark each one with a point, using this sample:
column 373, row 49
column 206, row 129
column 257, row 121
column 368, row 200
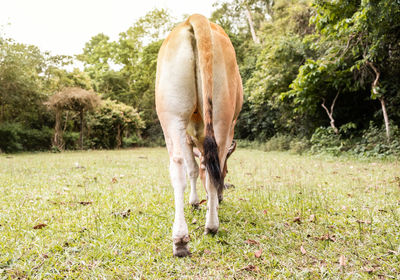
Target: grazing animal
column 199, row 96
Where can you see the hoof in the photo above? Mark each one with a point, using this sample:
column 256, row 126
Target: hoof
column 211, row 231
column 195, row 205
column 220, row 198
column 180, row 247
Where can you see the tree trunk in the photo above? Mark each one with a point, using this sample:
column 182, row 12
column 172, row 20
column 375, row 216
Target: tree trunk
column 81, row 133
column 330, row 112
column 380, row 98
column 385, row 117
column 251, row 25
column 66, row 121
column 119, row 140
column 58, row 139
column 1, row 112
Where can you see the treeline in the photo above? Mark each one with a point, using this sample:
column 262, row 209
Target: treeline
column 317, row 75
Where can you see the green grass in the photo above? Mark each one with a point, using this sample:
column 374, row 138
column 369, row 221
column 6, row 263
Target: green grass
column 304, row 212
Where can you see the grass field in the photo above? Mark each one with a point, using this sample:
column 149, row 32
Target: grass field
column 109, row 215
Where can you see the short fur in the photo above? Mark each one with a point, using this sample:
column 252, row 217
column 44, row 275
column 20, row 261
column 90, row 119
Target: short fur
column 198, row 99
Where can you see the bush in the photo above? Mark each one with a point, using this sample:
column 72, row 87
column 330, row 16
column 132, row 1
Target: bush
column 71, row 140
column 14, row 137
column 110, row 123
column 278, row 142
column 36, row 140
column 324, row 139
column 9, row 138
column 244, row 143
column 132, row 141
column 299, row 145
column 374, row 143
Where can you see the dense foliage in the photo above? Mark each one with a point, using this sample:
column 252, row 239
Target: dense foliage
column 318, row 75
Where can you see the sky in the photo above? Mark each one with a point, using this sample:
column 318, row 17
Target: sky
column 64, row 26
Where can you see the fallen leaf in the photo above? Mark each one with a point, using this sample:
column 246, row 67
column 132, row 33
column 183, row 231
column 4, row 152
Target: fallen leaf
column 297, row 220
column 39, row 226
column 85, row 202
column 124, row 214
column 252, row 242
column 251, row 267
column 326, row 237
column 363, row 222
column 302, row 250
column 342, row 260
column 114, row 180
column 369, row 269
column 258, row 253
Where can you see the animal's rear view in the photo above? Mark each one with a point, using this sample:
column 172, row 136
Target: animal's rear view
column 198, row 99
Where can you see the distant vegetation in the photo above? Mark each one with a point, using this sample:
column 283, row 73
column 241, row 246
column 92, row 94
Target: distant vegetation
column 320, row 76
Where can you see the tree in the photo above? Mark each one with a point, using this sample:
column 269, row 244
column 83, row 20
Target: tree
column 125, row 70
column 111, row 121
column 21, row 67
column 365, row 35
column 74, row 99
column 277, row 62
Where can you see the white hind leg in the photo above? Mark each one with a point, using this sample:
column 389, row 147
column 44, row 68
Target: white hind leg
column 193, row 173
column 212, row 222
column 181, row 156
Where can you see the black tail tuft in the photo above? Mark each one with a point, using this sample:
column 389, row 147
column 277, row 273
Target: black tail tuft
column 211, row 160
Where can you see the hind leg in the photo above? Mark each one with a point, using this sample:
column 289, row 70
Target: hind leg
column 181, row 160
column 193, row 173
column 212, row 222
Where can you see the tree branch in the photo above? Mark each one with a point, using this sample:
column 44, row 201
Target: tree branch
column 330, row 113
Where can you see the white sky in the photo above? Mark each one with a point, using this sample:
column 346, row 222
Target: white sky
column 64, row 26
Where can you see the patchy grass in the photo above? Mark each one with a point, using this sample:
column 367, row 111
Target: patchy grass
column 109, row 215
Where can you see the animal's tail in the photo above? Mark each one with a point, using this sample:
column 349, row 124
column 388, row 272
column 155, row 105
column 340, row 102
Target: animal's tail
column 204, row 45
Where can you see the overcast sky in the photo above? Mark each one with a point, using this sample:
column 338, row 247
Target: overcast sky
column 64, row 26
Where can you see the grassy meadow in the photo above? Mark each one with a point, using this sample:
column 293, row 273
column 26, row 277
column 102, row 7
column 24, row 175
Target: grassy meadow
column 109, row 215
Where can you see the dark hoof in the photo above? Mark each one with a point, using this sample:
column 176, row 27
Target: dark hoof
column 180, row 247
column 211, row 231
column 195, row 206
column 220, row 198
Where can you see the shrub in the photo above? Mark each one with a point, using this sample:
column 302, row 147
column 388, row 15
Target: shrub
column 374, row 143
column 279, row 142
column 132, row 141
column 14, row 137
column 299, row 145
column 324, row 139
column 9, row 138
column 244, row 143
column 110, row 123
column 71, row 140
column 36, row 140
